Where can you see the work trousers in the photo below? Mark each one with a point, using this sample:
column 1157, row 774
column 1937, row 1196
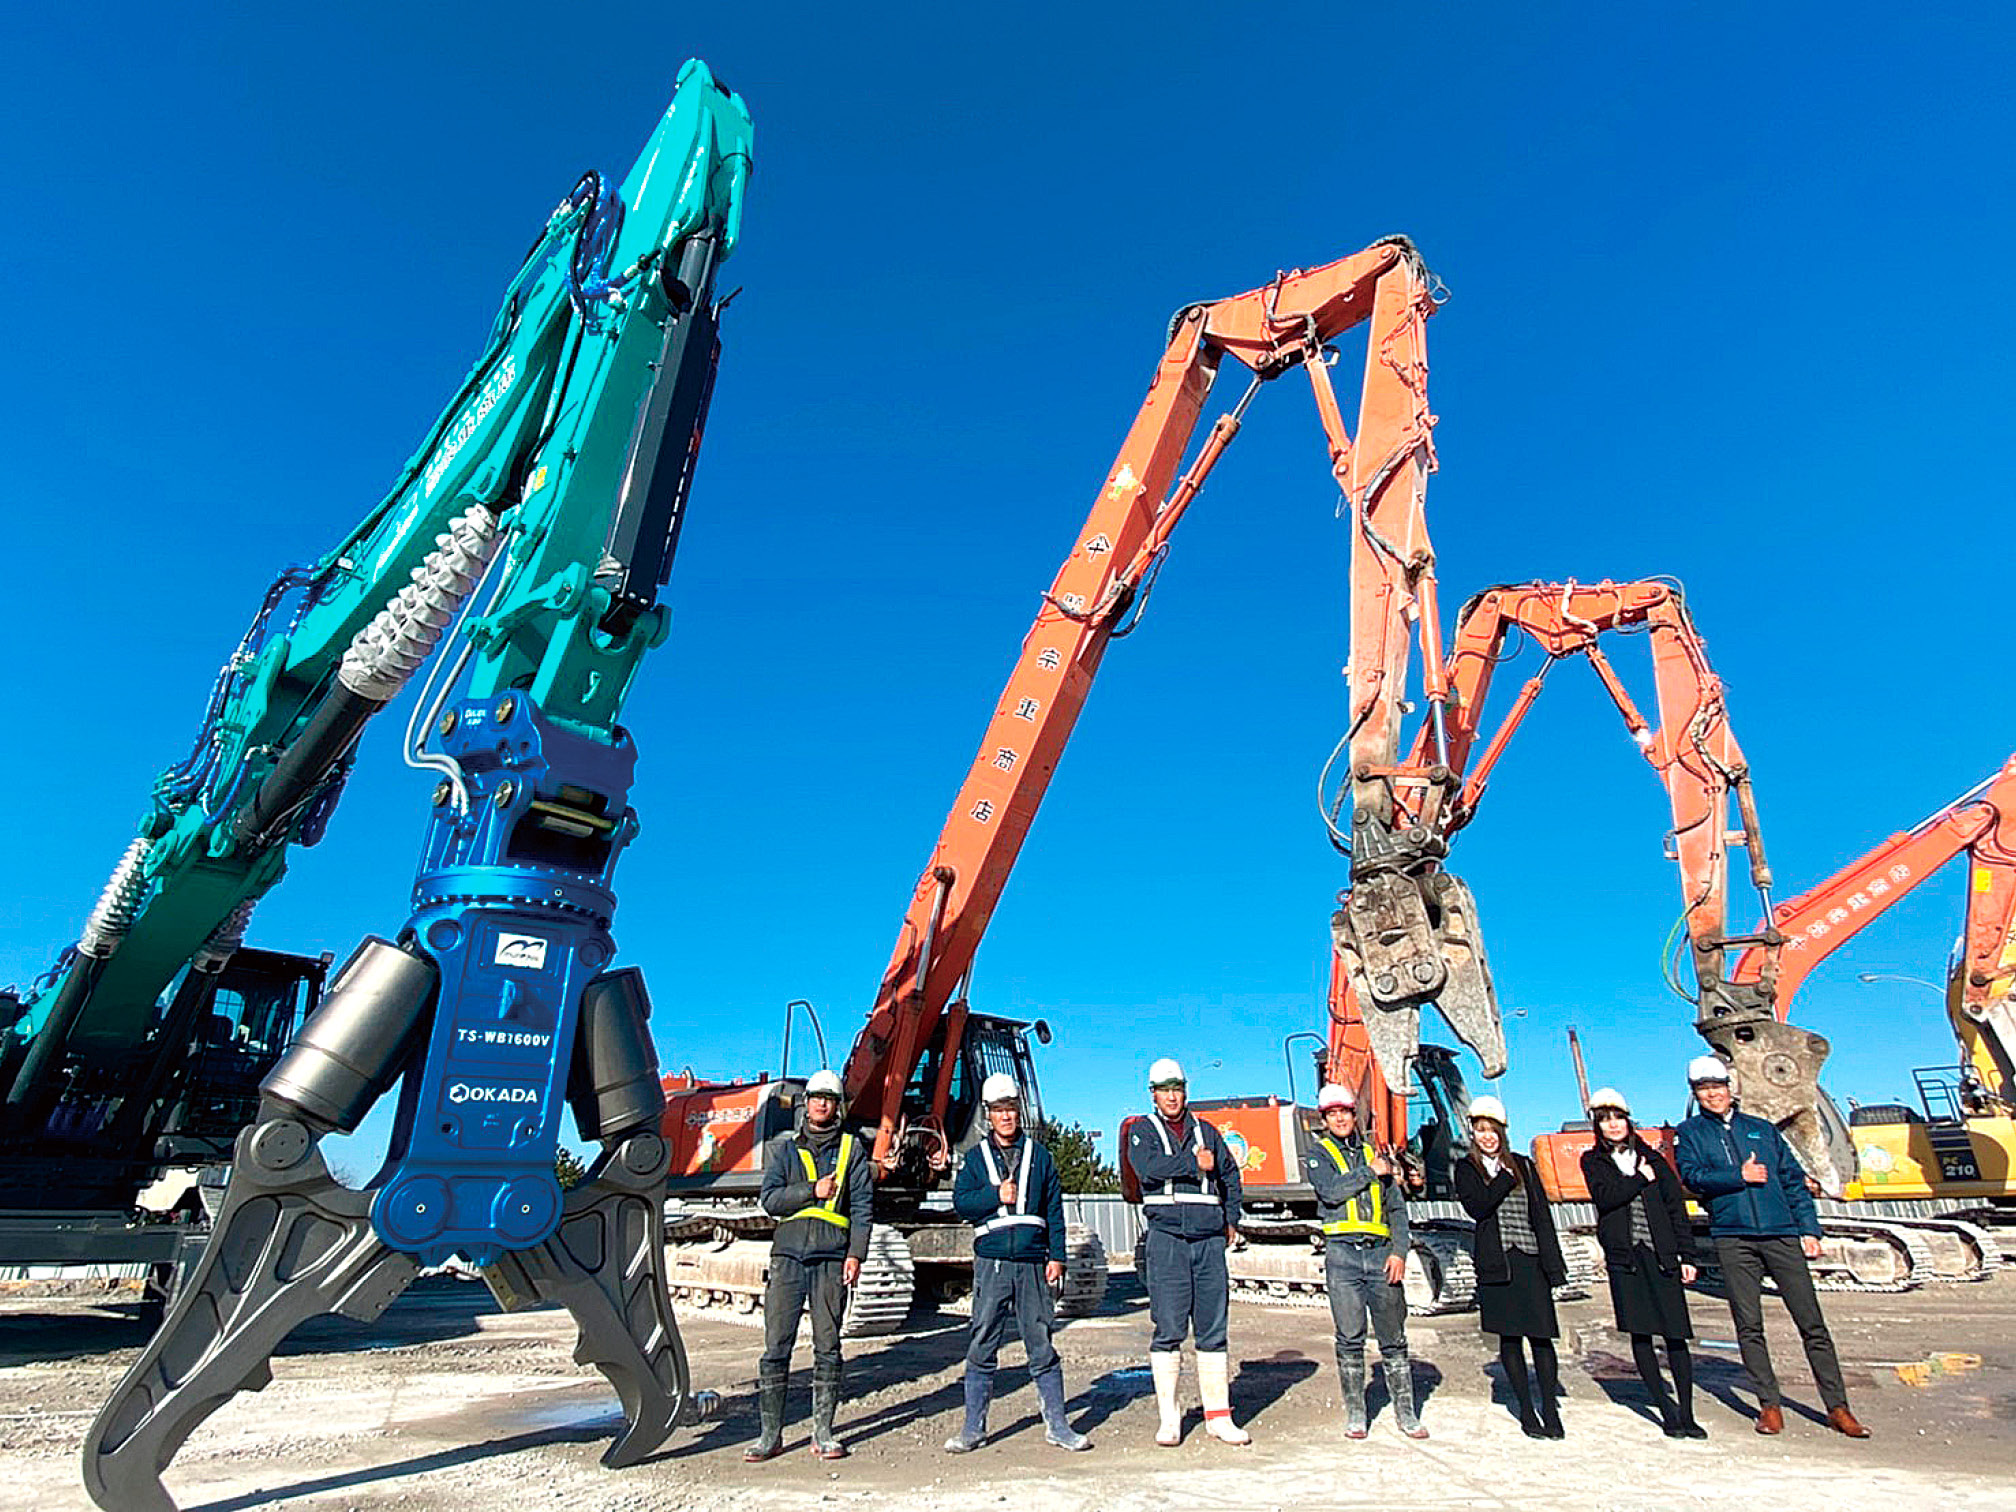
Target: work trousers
column 793, row 1284
column 1355, row 1276
column 1187, row 1284
column 1002, row 1288
column 1745, row 1263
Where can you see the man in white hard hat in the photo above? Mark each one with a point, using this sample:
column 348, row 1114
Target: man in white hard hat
column 819, row 1185
column 1190, row 1195
column 1363, row 1212
column 1008, row 1189
column 1764, row 1223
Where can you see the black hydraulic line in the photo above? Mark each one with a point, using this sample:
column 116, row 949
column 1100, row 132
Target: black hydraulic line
column 33, row 1094
column 330, row 733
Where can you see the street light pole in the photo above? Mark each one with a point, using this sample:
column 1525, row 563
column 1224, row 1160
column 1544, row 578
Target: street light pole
column 1892, row 976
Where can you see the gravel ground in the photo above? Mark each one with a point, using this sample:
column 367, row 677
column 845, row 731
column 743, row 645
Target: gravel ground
column 445, row 1403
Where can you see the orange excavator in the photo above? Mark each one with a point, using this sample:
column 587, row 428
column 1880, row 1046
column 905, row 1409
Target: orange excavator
column 913, row 1072
column 1707, row 780
column 1743, row 983
column 1931, row 1194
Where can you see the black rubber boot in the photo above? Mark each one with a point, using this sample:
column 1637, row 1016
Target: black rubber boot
column 1351, row 1381
column 770, row 1403
column 1057, row 1428
column 1400, row 1387
column 979, row 1390
column 825, row 1402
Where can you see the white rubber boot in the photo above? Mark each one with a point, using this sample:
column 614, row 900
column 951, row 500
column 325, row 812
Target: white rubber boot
column 1215, row 1388
column 1166, row 1363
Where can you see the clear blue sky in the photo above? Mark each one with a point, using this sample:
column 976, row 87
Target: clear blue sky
column 1728, row 303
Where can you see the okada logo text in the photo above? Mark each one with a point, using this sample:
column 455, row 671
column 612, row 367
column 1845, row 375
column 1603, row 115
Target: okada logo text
column 462, row 1092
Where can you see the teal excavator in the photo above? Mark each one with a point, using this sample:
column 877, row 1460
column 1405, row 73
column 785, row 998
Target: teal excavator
column 518, row 557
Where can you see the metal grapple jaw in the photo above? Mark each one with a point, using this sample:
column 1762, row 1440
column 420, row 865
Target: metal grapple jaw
column 1775, row 1070
column 1412, row 939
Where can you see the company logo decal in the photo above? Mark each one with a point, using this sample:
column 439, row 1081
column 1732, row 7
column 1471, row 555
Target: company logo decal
column 527, row 952
column 463, row 1092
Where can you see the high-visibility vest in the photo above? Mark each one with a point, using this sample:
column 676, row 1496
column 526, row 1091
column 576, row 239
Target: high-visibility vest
column 1017, row 1215
column 1169, row 1196
column 829, row 1210
column 1355, row 1220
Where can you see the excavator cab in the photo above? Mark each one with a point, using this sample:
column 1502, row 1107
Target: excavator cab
column 987, row 1045
column 72, row 1185
column 1438, row 1120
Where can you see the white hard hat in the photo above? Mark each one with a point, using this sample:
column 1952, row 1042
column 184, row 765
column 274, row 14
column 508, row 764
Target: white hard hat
column 1609, row 1097
column 1000, row 1087
column 824, row 1084
column 1489, row 1107
column 1166, row 1073
column 1707, row 1068
column 1334, row 1096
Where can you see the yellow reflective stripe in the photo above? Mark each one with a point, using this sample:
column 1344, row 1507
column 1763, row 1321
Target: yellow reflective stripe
column 1354, row 1221
column 827, row 1211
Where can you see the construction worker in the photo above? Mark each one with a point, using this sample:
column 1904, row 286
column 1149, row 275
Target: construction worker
column 1764, row 1223
column 819, row 1185
column 1363, row 1211
column 1010, row 1192
column 1190, row 1196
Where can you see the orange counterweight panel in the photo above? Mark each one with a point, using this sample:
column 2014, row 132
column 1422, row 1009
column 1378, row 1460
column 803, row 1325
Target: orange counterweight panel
column 1262, row 1136
column 716, row 1129
column 1558, row 1158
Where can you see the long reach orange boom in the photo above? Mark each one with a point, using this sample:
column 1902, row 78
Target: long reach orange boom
column 1111, row 568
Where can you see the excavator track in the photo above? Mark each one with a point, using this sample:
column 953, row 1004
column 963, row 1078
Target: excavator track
column 881, row 1298
column 1583, row 1255
column 1919, row 1251
column 947, row 1285
column 718, row 1262
column 1911, row 1257
column 1441, row 1277
column 1277, row 1271
column 1084, row 1272
column 1278, row 1274
column 1961, row 1251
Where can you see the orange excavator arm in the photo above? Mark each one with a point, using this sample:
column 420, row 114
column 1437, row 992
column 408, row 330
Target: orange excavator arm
column 1980, row 823
column 1695, row 752
column 1108, row 574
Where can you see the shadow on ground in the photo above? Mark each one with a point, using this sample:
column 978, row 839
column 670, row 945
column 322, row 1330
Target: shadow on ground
column 430, row 1311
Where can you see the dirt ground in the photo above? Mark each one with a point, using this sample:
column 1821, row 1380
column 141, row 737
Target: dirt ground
column 445, row 1403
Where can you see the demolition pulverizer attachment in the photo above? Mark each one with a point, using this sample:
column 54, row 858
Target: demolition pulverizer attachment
column 1775, row 1070
column 606, row 1265
column 1421, row 930
column 292, row 1243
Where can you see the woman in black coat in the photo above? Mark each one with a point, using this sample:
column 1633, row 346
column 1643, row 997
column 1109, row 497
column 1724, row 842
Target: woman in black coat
column 1518, row 1260
column 1648, row 1244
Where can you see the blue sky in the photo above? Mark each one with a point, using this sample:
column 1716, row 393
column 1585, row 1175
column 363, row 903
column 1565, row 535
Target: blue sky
column 1726, row 305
